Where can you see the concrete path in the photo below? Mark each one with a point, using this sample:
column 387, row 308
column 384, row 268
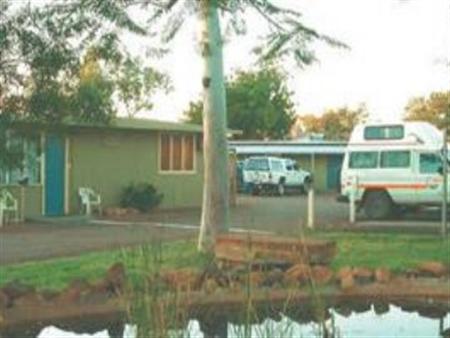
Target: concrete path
column 36, row 241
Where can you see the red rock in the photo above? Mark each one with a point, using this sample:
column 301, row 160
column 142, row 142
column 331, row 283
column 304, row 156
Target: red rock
column 345, row 277
column 343, row 272
column 322, row 274
column 347, row 282
column 115, row 278
column 210, row 286
column 74, row 291
column 256, row 278
column 362, row 275
column 297, row 274
column 434, row 269
column 182, row 279
column 16, row 289
column 30, row 299
column 383, row 275
column 5, row 300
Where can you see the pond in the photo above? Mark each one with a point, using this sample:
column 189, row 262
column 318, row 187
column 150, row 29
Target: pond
column 392, row 321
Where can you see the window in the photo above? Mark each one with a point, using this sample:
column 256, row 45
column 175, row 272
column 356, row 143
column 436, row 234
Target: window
column 430, row 163
column 384, row 133
column 395, row 159
column 260, row 164
column 26, row 153
column 277, row 166
column 363, row 160
column 177, row 152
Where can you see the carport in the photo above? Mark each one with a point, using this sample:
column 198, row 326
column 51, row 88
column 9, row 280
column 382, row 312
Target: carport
column 320, row 157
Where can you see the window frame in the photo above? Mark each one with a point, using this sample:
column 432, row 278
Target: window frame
column 367, row 128
column 420, row 163
column 38, row 139
column 377, row 162
column 410, row 162
column 171, row 136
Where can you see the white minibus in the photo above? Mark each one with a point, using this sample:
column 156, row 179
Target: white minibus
column 390, row 167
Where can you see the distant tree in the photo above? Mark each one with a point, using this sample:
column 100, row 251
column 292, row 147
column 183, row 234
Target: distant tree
column 434, row 109
column 258, row 103
column 334, row 124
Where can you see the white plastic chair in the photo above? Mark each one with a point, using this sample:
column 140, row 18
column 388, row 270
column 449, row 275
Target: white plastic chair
column 90, row 200
column 8, row 204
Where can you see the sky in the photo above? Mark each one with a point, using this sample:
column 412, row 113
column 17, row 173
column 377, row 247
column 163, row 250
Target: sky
column 399, row 49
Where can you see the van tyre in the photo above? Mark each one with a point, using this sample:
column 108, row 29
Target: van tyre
column 307, row 184
column 378, row 205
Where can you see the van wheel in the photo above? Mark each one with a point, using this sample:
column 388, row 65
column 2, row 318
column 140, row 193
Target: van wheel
column 281, row 190
column 377, row 205
column 307, row 184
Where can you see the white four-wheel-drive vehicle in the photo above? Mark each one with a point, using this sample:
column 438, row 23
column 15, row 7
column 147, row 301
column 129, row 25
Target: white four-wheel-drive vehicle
column 390, row 167
column 274, row 175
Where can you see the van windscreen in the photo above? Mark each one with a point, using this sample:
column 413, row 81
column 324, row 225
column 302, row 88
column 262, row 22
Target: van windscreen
column 384, row 132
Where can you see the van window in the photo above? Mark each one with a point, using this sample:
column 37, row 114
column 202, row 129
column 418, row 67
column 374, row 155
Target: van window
column 384, row 133
column 429, row 163
column 277, row 166
column 395, row 159
column 258, row 164
column 363, row 160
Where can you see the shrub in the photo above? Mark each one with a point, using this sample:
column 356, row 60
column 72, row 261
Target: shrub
column 141, row 196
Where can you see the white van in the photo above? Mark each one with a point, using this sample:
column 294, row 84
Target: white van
column 393, row 165
column 274, row 174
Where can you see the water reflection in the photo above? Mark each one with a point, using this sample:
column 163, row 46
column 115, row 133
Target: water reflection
column 377, row 320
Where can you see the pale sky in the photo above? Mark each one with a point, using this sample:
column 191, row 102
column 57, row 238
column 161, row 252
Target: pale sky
column 399, row 49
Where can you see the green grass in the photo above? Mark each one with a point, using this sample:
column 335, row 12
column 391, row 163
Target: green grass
column 395, row 251
column 392, row 250
column 57, row 273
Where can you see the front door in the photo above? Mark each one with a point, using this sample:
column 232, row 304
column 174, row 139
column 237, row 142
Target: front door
column 334, row 165
column 54, row 175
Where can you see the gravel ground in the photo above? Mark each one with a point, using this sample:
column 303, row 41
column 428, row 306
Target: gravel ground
column 286, row 215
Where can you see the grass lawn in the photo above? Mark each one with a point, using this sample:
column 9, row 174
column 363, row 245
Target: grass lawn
column 395, row 251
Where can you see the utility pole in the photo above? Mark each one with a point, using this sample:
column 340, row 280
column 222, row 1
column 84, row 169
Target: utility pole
column 445, row 183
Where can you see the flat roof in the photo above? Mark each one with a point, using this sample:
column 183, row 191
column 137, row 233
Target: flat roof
column 146, row 124
column 288, row 147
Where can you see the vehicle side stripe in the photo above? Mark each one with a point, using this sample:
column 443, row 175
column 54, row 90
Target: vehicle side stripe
column 394, row 186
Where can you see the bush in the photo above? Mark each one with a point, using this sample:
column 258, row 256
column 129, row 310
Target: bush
column 141, row 196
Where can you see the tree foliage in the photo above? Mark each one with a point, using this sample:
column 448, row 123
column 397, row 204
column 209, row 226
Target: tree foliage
column 43, row 49
column 65, row 62
column 334, row 124
column 434, row 109
column 258, row 103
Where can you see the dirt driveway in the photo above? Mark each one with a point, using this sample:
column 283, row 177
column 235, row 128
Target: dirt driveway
column 275, row 214
column 283, row 215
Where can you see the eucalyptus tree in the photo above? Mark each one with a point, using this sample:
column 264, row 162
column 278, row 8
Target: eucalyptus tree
column 287, row 37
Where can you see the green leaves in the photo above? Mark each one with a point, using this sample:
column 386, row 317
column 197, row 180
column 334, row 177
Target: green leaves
column 258, row 103
column 434, row 109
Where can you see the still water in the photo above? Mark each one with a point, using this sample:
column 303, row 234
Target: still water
column 393, row 323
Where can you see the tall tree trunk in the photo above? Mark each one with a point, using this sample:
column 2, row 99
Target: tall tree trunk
column 215, row 190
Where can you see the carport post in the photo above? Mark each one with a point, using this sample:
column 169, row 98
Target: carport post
column 311, row 207
column 445, row 184
column 352, row 200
